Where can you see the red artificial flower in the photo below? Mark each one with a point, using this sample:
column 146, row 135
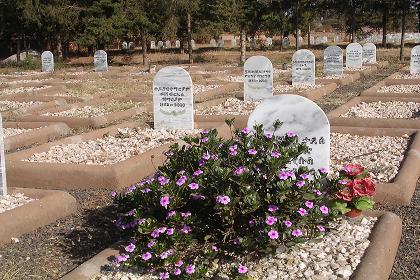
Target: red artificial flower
column 363, row 187
column 353, row 169
column 346, row 194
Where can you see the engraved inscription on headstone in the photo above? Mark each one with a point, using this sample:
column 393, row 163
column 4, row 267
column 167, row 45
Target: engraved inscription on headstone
column 415, row 61
column 333, row 61
column 303, row 68
column 303, row 117
column 100, row 61
column 173, row 99
column 47, row 60
column 354, row 56
column 3, row 182
column 258, row 78
column 369, row 53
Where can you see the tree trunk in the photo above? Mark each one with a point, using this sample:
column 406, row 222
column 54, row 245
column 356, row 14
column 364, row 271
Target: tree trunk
column 243, row 45
column 297, row 24
column 281, row 35
column 384, row 22
column 18, row 50
column 190, row 50
column 59, row 46
column 403, row 30
column 25, row 45
column 309, row 35
column 144, row 48
column 353, row 23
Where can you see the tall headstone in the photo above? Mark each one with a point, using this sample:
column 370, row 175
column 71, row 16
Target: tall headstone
column 369, row 53
column 300, row 41
column 333, row 61
column 221, row 43
column 173, row 99
column 152, row 45
column 160, row 44
column 131, row 45
column 124, row 45
column 213, row 43
column 303, row 68
column 47, row 60
column 177, row 44
column 100, row 61
column 354, row 56
column 258, row 78
column 302, row 117
column 3, row 182
column 168, row 44
column 415, row 61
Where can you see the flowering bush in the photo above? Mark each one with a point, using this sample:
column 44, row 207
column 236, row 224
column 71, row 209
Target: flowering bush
column 214, row 199
column 353, row 189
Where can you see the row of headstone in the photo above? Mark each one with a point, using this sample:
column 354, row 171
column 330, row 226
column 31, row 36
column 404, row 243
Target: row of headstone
column 126, row 46
column 415, row 61
column 167, row 44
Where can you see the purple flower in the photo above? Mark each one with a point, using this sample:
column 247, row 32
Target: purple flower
column 324, row 209
column 163, row 181
column 214, row 248
column 113, row 194
column 179, row 263
column 204, row 140
column 232, row 150
column 170, row 231
column 201, row 162
column 181, row 180
column 323, row 170
column 146, row 190
column 297, row 233
column 275, row 154
column 320, row 228
column 288, row 223
column 130, row 248
column 215, row 157
column 190, row 269
column 300, row 184
column 242, row 269
column 309, row 204
column 177, row 272
column 198, row 172
column 246, row 131
column 155, row 233
column 122, row 258
column 305, row 176
column 223, row 199
column 165, row 200
column 237, row 241
column 291, row 134
column 272, row 208
column 273, row 234
column 163, row 275
column 268, row 135
column 166, row 254
column 162, row 229
column 185, row 229
column 252, row 223
column 239, row 171
column 318, row 192
column 284, row 175
column 302, row 212
column 146, row 256
column 204, row 132
column 252, row 152
column 170, row 214
column 206, row 156
column 185, row 215
column 343, row 182
column 193, row 186
column 270, row 220
column 151, row 243
column 198, row 197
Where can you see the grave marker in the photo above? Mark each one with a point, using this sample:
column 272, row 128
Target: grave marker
column 131, row 45
column 269, row 42
column 415, row 61
column 333, row 61
column 47, row 60
column 100, row 61
column 369, row 53
column 303, row 117
column 3, row 182
column 168, row 44
column 177, row 44
column 213, row 43
column 303, row 68
column 193, row 44
column 354, row 56
column 160, row 44
column 152, row 45
column 124, row 45
column 258, row 78
column 221, row 43
column 285, row 42
column 233, row 43
column 173, row 99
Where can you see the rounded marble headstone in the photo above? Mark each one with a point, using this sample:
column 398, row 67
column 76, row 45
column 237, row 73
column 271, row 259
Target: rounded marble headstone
column 333, row 61
column 369, row 53
column 3, row 182
column 173, row 99
column 124, row 45
column 100, row 61
column 221, row 43
column 177, row 44
column 301, row 116
column 152, row 45
column 258, row 78
column 213, row 43
column 168, row 44
column 47, row 60
column 415, row 61
column 354, row 56
column 303, row 68
column 160, row 44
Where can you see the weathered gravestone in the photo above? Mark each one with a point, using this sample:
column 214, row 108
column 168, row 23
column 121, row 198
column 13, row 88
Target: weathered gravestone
column 173, row 99
column 47, row 60
column 168, row 44
column 369, row 53
column 354, row 56
column 258, row 78
column 221, row 43
column 3, row 187
column 131, row 45
column 152, row 45
column 285, row 42
column 193, row 46
column 333, row 61
column 177, row 44
column 100, row 61
column 300, row 41
column 303, row 117
column 213, row 43
column 160, row 44
column 415, row 61
column 303, row 68
column 124, row 45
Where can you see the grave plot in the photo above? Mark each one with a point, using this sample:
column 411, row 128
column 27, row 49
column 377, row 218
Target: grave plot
column 203, row 92
column 24, row 134
column 404, row 77
column 63, row 91
column 95, row 113
column 395, row 88
column 25, row 210
column 361, row 249
column 386, row 112
column 23, row 90
column 366, row 70
column 312, row 92
column 390, row 155
column 340, row 80
column 16, row 106
column 112, row 158
column 28, row 82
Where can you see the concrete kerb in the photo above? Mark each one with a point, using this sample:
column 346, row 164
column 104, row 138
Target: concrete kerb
column 40, row 134
column 376, row 263
column 336, row 120
column 83, row 176
column 401, row 189
column 48, row 207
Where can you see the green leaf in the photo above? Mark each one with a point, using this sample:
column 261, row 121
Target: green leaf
column 340, row 206
column 363, row 203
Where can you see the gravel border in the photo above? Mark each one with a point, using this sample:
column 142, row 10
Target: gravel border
column 231, row 106
column 9, row 202
column 385, row 110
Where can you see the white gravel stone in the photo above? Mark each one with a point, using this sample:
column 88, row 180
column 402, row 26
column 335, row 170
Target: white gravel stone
column 232, row 106
column 6, row 105
column 381, row 155
column 336, row 256
column 38, row 81
column 294, row 88
column 22, row 90
column 385, row 110
column 356, row 69
column 9, row 202
column 406, row 76
column 400, row 89
column 7, row 132
column 110, row 149
column 234, row 79
column 22, row 74
column 334, row 77
column 198, row 88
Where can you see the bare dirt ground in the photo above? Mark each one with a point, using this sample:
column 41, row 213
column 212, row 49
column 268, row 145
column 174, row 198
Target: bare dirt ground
column 54, row 250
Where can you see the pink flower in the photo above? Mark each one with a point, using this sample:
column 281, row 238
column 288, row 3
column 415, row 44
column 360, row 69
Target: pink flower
column 179, row 263
column 171, row 214
column 190, row 269
column 318, row 192
column 162, row 229
column 239, row 171
column 185, row 215
column 305, row 176
column 214, row 248
column 323, row 170
column 170, row 231
column 288, row 223
column 320, row 228
column 242, row 269
column 273, row 234
column 324, row 209
column 302, row 212
column 284, row 175
column 164, row 201
column 185, row 229
column 204, row 140
column 151, row 243
column 198, row 172
column 291, row 134
column 130, row 248
column 297, row 233
column 300, row 184
column 122, row 258
column 177, row 272
column 275, row 154
column 252, row 152
column 155, row 233
column 309, row 204
column 343, row 182
column 114, row 194
column 232, row 150
column 163, row 181
column 268, row 135
column 246, row 131
column 272, row 208
column 270, row 220
column 181, row 180
column 206, row 156
column 223, row 199
column 163, row 275
column 146, row 256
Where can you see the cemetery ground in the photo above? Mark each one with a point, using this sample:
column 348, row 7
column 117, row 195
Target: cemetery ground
column 54, row 250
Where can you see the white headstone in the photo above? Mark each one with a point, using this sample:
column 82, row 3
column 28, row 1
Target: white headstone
column 324, row 39
column 177, row 44
column 415, row 61
column 354, row 56
column 160, row 44
column 300, row 41
column 152, row 45
column 269, row 42
column 369, row 53
column 173, row 99
column 333, row 61
column 3, row 182
column 193, row 44
column 168, row 44
column 312, row 39
column 221, row 43
column 213, row 43
column 124, row 45
column 258, row 78
column 303, row 117
column 47, row 60
column 303, row 68
column 100, row 61
column 131, row 45
column 285, row 42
